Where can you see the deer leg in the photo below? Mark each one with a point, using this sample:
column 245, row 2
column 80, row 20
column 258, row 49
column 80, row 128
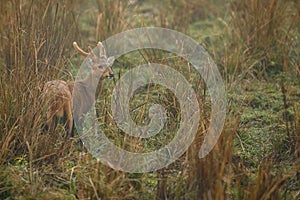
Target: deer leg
column 51, row 121
column 69, row 116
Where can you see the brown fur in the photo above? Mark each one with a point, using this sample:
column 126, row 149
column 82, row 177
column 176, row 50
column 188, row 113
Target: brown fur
column 57, row 94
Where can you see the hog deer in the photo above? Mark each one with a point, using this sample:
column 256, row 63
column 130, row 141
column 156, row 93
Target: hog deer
column 59, row 94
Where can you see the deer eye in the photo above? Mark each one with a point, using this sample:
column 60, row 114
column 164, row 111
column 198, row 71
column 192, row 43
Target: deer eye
column 89, row 61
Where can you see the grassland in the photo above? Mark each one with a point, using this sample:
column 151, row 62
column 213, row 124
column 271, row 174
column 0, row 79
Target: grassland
column 256, row 46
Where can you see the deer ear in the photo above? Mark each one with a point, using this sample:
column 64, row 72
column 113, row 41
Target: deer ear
column 111, row 60
column 101, row 49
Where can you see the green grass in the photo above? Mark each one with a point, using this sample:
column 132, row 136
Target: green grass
column 257, row 155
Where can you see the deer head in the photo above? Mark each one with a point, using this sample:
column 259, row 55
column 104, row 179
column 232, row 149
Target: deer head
column 99, row 65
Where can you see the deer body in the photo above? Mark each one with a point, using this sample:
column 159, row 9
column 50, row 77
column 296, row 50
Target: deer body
column 59, row 94
column 59, row 104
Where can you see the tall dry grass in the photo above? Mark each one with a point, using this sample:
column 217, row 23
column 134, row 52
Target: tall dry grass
column 36, row 42
column 98, row 20
column 36, row 38
column 266, row 32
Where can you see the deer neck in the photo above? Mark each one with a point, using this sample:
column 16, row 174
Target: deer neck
column 93, row 83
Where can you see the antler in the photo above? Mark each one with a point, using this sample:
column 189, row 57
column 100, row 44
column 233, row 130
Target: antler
column 82, row 52
column 102, row 49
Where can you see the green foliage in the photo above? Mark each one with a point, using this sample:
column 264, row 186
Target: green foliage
column 256, row 47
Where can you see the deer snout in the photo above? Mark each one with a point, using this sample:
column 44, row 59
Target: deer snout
column 111, row 74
